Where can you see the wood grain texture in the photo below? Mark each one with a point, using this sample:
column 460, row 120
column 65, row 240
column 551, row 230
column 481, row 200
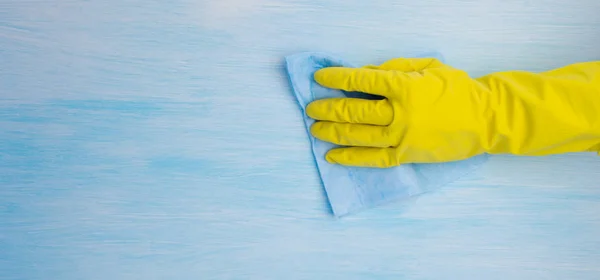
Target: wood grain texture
column 160, row 140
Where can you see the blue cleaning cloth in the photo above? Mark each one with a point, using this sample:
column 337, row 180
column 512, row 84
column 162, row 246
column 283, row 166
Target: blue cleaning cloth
column 351, row 189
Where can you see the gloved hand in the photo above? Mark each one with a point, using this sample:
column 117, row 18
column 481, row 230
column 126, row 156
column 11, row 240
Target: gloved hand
column 432, row 113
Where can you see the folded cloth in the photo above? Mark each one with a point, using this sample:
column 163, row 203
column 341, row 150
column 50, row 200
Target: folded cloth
column 351, row 189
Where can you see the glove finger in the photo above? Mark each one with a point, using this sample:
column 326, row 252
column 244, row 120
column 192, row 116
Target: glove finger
column 351, row 110
column 411, row 64
column 347, row 134
column 373, row 81
column 363, row 157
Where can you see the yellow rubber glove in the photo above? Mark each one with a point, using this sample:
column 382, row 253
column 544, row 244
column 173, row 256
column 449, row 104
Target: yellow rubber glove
column 432, row 113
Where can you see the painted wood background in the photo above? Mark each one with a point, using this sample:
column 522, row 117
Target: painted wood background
column 160, row 140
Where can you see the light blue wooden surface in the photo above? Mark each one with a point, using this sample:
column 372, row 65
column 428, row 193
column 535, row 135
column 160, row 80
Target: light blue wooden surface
column 159, row 140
